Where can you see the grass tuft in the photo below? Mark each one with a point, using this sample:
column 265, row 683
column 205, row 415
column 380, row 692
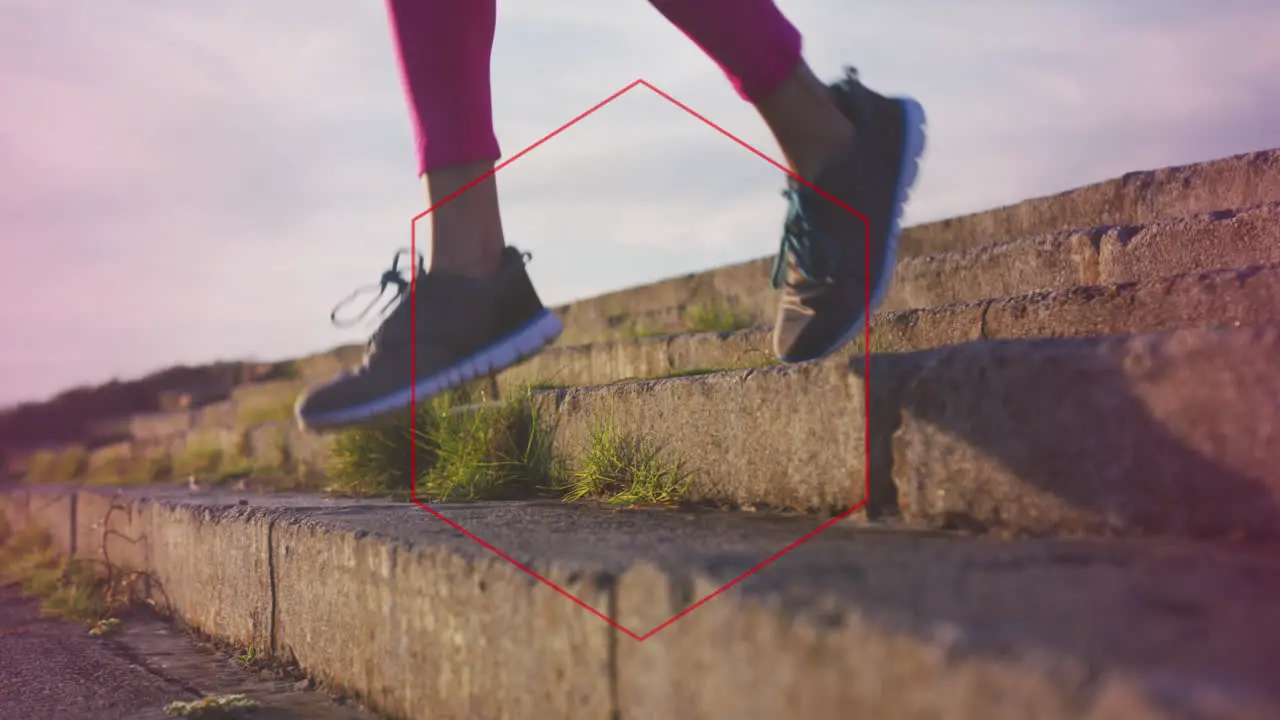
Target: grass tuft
column 250, row 414
column 482, row 451
column 66, row 465
column 717, row 316
column 637, row 331
column 373, row 460
column 623, row 470
column 67, row 588
column 199, row 458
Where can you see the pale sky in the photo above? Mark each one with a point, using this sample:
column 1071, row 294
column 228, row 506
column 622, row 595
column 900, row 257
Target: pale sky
column 185, row 182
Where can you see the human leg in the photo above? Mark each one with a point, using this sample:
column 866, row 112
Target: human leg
column 476, row 311
column 858, row 147
column 444, row 50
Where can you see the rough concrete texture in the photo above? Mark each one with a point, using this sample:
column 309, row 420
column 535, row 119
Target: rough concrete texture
column 915, row 627
column 1102, row 255
column 1227, row 238
column 394, row 604
column 639, row 359
column 1137, row 198
column 418, row 631
column 213, row 568
column 751, row 437
column 781, row 437
column 660, row 306
column 1083, row 435
column 1052, row 261
column 1131, row 199
column 1222, row 298
column 1176, row 433
column 426, row 632
column 51, row 669
column 1214, row 299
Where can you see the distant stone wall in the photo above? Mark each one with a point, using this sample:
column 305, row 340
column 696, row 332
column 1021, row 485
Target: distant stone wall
column 245, row 405
column 157, row 426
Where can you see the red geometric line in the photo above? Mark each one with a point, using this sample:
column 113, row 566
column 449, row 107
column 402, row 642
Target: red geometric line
column 866, row 379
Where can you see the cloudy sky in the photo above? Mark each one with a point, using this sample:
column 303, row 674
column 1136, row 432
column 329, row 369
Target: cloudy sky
column 184, row 182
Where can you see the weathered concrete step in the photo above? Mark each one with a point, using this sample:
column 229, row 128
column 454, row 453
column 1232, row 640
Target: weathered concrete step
column 1220, row 298
column 400, row 608
column 1133, row 199
column 1104, row 255
column 1172, row 433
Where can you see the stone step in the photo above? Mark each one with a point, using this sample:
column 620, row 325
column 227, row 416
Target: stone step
column 1245, row 297
column 400, row 609
column 1170, row 433
column 1218, row 298
column 1209, row 241
column 1137, row 198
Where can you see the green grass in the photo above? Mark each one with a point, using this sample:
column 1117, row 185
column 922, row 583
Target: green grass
column 492, row 451
column 201, row 458
column 71, row 465
column 133, row 470
column 263, row 412
column 373, row 460
column 467, row 451
column 623, row 470
column 40, row 466
column 879, row 344
column 58, row 466
column 691, row 372
column 485, row 452
column 639, row 332
column 716, row 316
column 67, row 588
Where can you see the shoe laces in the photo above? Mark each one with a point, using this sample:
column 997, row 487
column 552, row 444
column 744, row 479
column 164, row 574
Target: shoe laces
column 811, row 251
column 392, row 277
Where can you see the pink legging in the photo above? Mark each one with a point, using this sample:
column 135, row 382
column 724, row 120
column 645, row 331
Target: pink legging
column 445, row 47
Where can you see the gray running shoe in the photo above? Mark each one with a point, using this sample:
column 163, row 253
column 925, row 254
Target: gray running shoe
column 448, row 330
column 834, row 267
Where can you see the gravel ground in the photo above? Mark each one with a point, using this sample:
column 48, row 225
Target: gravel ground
column 54, row 670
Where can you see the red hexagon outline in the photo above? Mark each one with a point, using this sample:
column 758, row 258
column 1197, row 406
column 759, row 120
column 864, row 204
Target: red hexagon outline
column 865, row 377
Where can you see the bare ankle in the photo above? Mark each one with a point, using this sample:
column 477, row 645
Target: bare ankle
column 466, row 231
column 806, row 122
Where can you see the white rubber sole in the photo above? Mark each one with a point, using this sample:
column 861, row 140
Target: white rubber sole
column 914, row 122
column 523, row 342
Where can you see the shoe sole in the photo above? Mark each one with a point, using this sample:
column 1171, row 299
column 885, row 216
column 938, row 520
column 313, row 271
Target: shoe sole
column 914, row 121
column 518, row 345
